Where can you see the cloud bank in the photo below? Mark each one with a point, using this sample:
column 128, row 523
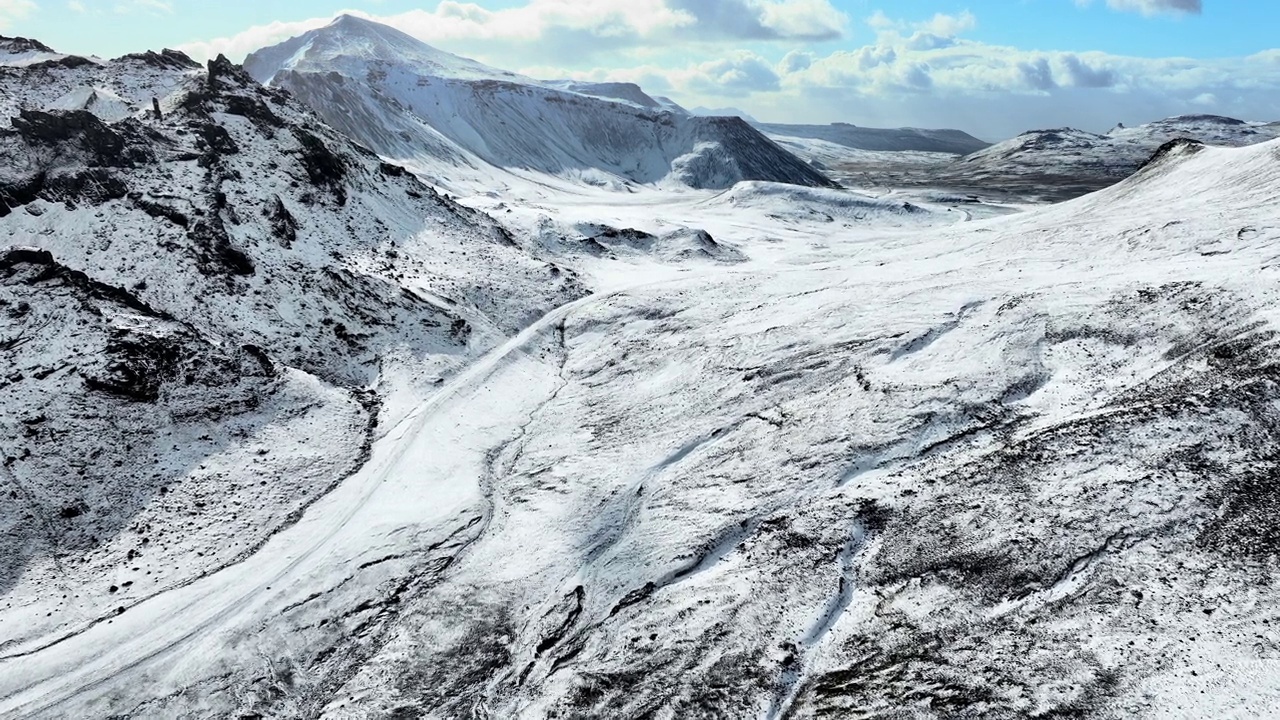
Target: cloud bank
column 558, row 31
column 774, row 59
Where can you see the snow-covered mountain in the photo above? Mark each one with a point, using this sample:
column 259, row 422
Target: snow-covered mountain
column 1013, row 468
column 955, row 142
column 453, row 116
column 288, row 434
column 208, row 295
column 1069, row 161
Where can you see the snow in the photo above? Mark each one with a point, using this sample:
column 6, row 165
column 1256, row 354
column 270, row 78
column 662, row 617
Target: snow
column 23, row 53
column 350, row 44
column 1092, row 161
column 103, row 103
column 462, row 123
column 761, row 451
column 124, row 85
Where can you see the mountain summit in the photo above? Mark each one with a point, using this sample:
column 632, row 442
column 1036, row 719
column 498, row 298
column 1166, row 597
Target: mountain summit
column 349, row 43
column 451, row 116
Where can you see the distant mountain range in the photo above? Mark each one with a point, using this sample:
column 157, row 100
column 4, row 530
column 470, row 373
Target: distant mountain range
column 955, row 142
column 1073, row 162
column 447, row 115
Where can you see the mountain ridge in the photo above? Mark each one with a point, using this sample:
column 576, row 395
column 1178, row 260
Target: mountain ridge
column 453, row 116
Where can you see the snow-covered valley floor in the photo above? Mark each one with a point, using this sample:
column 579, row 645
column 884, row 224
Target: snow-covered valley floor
column 835, row 457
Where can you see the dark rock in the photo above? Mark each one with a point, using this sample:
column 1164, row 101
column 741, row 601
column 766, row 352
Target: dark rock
column 218, row 140
column 756, row 156
column 257, row 353
column 215, row 252
column 20, row 44
column 224, row 73
column 324, row 167
column 93, row 185
column 1169, row 148
column 252, row 108
column 70, row 62
column 81, row 126
column 391, row 170
column 160, row 210
column 139, row 366
column 165, row 59
column 21, row 254
column 283, row 225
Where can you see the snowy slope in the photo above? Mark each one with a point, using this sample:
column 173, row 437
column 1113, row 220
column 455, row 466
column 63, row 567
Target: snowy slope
column 192, row 355
column 1080, row 161
column 24, row 52
column 114, row 88
column 993, row 471
column 452, row 116
column 1013, row 468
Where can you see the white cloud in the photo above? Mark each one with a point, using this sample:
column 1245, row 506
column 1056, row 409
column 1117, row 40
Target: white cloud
column 795, row 61
column 1152, row 7
column 256, row 37
column 13, row 10
column 926, row 74
column 914, row 72
column 562, row 30
column 739, row 74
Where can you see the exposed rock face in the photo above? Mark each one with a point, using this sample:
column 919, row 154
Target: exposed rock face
column 165, row 59
column 107, row 381
column 16, row 45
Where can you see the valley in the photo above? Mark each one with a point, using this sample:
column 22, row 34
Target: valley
column 651, row 416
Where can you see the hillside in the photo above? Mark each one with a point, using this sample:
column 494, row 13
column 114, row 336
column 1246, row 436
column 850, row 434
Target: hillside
column 1067, row 162
column 954, row 142
column 193, row 337
column 455, row 117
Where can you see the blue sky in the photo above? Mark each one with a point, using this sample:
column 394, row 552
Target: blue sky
column 993, row 67
column 1226, row 28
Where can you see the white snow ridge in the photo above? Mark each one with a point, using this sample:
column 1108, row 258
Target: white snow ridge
column 405, row 387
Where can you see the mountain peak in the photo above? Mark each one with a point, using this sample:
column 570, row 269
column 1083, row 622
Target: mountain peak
column 353, row 44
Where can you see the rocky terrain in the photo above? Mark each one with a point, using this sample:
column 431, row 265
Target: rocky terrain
column 1065, row 163
column 292, row 433
column 214, row 291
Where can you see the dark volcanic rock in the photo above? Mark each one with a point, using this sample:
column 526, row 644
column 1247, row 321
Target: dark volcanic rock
column 283, row 225
column 20, row 44
column 1173, row 147
column 165, row 59
column 323, row 166
column 79, row 127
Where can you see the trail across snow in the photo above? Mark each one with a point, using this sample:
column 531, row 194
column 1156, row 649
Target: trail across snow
column 424, row 471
